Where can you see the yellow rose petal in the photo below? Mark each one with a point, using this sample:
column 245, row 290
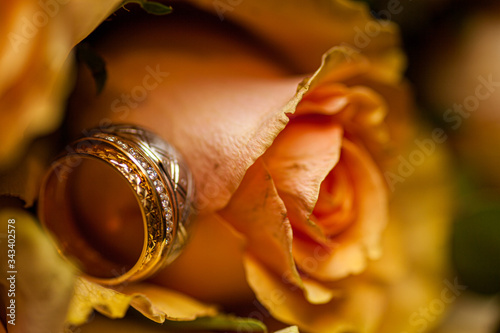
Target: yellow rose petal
column 154, row 302
column 23, row 180
column 89, row 296
column 36, row 72
column 359, row 310
column 318, row 293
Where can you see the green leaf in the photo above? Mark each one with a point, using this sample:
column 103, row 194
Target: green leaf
column 134, row 322
column 156, row 8
column 96, row 64
column 151, row 7
column 219, row 323
column 476, row 249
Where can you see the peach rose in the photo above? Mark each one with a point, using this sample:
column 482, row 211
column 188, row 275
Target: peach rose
column 287, row 127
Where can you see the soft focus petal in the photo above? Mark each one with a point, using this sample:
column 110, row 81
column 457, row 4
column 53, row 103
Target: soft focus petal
column 291, row 25
column 33, row 61
column 415, row 263
column 23, row 180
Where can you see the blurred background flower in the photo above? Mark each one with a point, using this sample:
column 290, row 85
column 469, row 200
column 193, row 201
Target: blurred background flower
column 453, row 62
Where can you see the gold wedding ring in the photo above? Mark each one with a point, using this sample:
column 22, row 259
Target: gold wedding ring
column 115, row 190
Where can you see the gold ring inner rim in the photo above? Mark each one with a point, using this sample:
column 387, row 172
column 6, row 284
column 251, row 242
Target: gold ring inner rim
column 82, row 233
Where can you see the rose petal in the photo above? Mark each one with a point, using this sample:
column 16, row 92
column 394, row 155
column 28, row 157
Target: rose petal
column 156, row 303
column 335, row 209
column 342, row 88
column 318, row 293
column 23, row 180
column 350, row 249
column 172, row 309
column 421, row 208
column 299, row 160
column 35, row 73
column 289, row 25
column 159, row 304
column 89, row 296
column 215, row 112
column 258, row 213
column 360, row 110
column 358, row 311
column 391, row 97
column 324, row 99
column 387, row 140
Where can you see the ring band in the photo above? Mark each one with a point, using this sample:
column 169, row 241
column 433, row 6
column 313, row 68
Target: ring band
column 160, row 182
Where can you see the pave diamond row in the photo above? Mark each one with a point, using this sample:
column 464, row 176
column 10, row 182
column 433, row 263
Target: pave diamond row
column 155, row 179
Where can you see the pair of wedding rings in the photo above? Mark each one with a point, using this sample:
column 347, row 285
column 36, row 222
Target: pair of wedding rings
column 154, row 193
